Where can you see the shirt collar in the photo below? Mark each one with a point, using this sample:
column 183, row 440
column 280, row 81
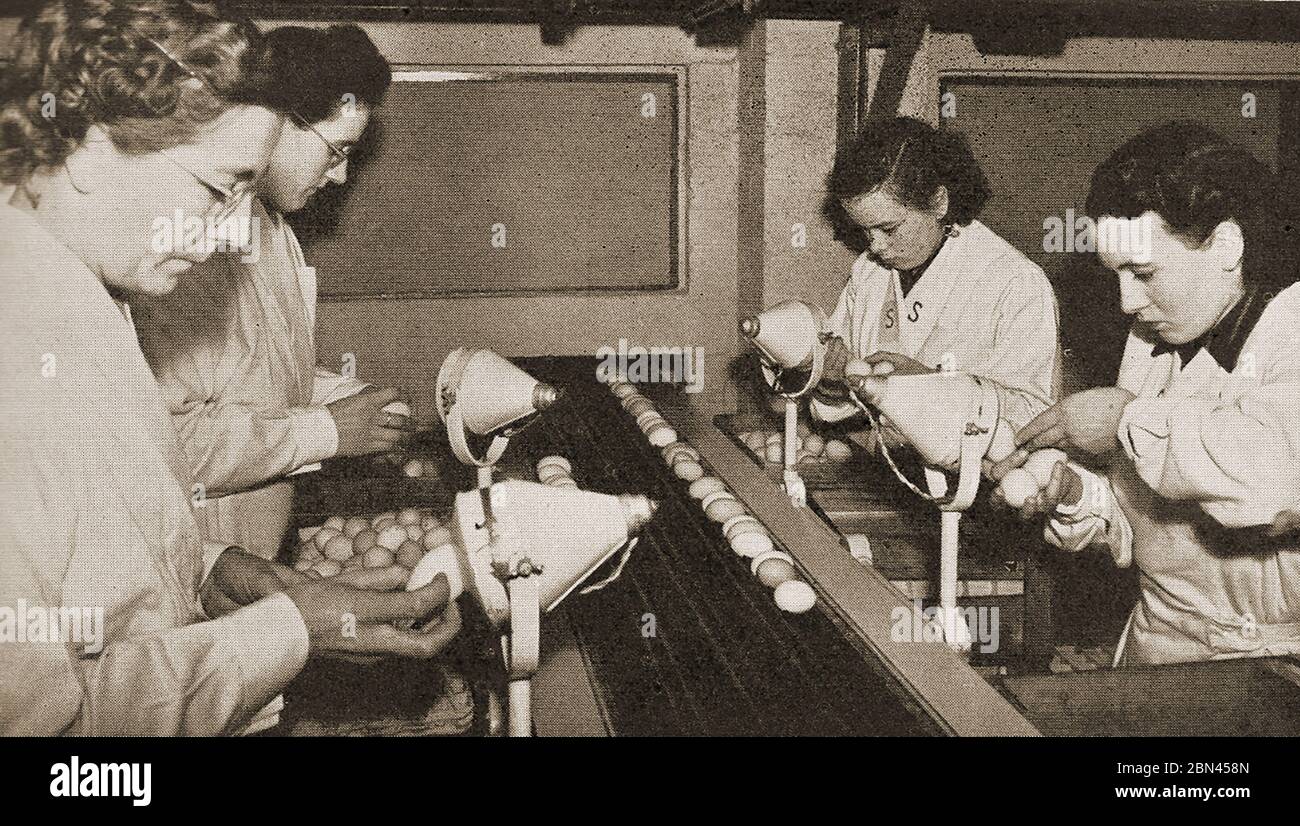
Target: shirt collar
column 1225, row 339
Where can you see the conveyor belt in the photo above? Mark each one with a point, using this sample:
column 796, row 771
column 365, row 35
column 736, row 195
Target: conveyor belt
column 724, row 660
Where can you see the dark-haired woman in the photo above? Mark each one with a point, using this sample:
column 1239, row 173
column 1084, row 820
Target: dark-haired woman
column 935, row 289
column 234, row 348
column 117, row 618
column 1199, row 441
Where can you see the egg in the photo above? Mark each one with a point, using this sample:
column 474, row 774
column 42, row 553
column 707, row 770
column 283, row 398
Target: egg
column 774, row 439
column 380, row 517
column 336, row 523
column 639, row 405
column 742, row 524
column 428, row 522
column 565, row 482
column 756, row 441
column 649, row 419
column 860, row 547
column 679, row 451
column 802, row 456
column 391, row 537
column 774, row 454
column 723, row 509
column 622, row 389
column 705, row 485
column 556, row 461
column 413, row 532
column 662, row 435
column 410, row 553
column 688, row 470
column 414, row 469
column 435, row 538
column 547, row 473
column 398, row 408
column 354, row 526
column 338, row 549
column 383, row 524
column 795, row 596
column 364, row 541
column 773, row 568
column 310, row 551
column 408, row 516
column 442, row 560
column 750, row 544
column 814, row 444
column 1040, row 464
column 1018, row 486
column 327, row 568
column 838, row 451
column 303, row 564
column 305, row 534
column 378, row 558
column 323, row 536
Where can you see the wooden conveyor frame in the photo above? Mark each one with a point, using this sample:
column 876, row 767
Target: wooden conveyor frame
column 939, row 681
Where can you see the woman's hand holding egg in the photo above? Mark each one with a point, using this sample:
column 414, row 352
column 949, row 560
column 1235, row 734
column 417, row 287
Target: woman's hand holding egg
column 1021, row 489
column 364, row 427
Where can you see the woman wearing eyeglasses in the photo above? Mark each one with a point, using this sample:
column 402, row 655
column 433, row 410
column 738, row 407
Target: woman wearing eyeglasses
column 115, row 119
column 234, row 348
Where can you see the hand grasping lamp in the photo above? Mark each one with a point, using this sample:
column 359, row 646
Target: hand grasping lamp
column 479, row 392
column 520, row 548
column 790, row 338
column 953, row 420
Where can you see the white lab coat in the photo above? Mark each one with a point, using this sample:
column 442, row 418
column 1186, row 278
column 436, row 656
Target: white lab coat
column 233, row 348
column 981, row 307
column 97, row 515
column 1212, row 456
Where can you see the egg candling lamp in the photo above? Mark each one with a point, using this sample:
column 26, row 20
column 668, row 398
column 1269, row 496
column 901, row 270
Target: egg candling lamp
column 520, row 548
column 483, row 394
column 954, row 422
column 791, row 339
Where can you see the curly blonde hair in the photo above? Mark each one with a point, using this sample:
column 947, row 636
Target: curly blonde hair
column 122, row 65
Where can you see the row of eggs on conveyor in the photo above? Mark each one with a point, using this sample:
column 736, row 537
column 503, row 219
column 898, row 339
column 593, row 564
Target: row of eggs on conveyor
column 810, row 448
column 746, row 535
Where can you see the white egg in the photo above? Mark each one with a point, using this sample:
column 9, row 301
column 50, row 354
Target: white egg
column 774, row 454
column 443, row 560
column 742, row 524
column 751, row 544
column 705, row 485
column 815, row 444
column 723, row 509
column 622, row 389
column 549, row 473
column 838, row 451
column 774, row 569
column 398, row 409
column 392, row 537
column 556, row 461
column 1018, row 486
column 795, row 596
column 688, row 470
column 662, row 435
column 1039, row 465
column 335, row 523
column 414, row 468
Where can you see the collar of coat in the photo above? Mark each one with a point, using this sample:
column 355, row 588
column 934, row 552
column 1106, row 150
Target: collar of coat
column 1225, row 339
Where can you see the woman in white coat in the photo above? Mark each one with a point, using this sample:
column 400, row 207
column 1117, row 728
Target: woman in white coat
column 935, row 289
column 130, row 623
column 1198, row 444
column 233, row 347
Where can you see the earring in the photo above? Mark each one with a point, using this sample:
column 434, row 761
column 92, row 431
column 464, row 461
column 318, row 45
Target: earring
column 951, row 230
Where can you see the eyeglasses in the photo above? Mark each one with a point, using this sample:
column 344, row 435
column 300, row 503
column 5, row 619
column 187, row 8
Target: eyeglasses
column 228, row 200
column 340, row 154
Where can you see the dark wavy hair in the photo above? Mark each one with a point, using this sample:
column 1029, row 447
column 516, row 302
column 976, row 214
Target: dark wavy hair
column 911, row 159
column 121, row 65
column 313, row 69
column 1194, row 179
